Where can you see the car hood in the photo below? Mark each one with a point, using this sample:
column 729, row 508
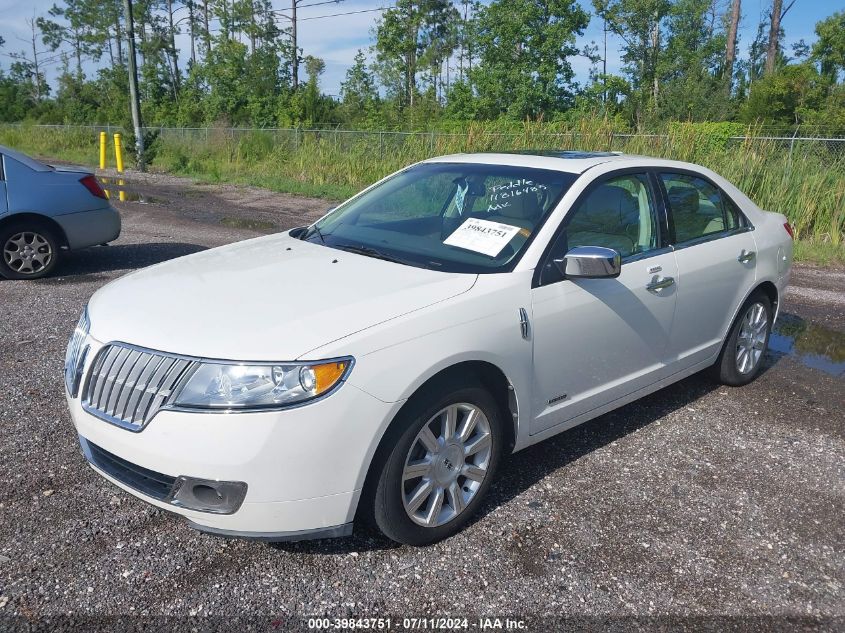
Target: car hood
column 272, row 298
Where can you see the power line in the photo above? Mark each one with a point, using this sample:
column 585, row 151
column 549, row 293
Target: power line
column 42, row 61
column 331, row 15
column 313, row 4
column 335, row 15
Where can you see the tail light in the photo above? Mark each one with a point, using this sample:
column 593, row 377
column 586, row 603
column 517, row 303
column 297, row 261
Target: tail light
column 789, row 230
column 91, row 183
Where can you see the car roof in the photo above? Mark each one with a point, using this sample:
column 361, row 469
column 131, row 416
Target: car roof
column 571, row 161
column 24, row 159
column 575, row 162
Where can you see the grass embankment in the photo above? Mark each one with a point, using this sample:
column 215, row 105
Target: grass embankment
column 808, row 187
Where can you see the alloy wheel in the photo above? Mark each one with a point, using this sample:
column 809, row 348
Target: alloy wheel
column 446, row 464
column 27, row 252
column 751, row 341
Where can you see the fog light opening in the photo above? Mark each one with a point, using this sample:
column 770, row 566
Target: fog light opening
column 207, row 495
column 204, row 495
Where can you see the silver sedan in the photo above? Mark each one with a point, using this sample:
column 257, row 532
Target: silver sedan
column 45, row 210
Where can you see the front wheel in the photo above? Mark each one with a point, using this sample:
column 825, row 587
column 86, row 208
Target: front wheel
column 434, row 478
column 742, row 355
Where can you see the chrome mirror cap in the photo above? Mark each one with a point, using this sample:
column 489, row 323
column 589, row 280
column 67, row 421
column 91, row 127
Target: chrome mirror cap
column 590, row 262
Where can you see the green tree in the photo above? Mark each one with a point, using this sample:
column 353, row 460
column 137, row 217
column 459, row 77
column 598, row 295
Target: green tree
column 525, row 48
column 690, row 71
column 359, row 93
column 639, row 24
column 312, row 104
column 404, row 35
column 461, row 103
column 15, row 102
column 605, row 95
column 786, row 97
column 73, row 25
column 829, row 49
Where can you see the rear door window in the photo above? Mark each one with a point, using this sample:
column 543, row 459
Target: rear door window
column 698, row 208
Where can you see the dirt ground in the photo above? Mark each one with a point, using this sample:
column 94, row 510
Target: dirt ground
column 697, row 507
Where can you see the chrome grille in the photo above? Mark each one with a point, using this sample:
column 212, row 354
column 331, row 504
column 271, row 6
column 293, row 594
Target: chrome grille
column 127, row 385
column 75, row 355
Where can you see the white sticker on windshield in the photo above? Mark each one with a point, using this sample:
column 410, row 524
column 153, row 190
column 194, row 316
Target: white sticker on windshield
column 482, row 236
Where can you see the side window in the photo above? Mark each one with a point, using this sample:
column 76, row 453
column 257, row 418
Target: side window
column 733, row 215
column 619, row 213
column 698, row 208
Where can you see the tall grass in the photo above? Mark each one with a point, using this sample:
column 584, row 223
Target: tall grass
column 808, row 185
column 76, row 145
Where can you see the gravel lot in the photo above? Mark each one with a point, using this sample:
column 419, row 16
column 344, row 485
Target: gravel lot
column 696, row 502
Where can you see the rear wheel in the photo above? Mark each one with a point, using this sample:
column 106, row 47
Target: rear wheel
column 28, row 251
column 742, row 355
column 440, row 466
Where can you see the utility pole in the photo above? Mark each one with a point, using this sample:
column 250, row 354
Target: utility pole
column 604, row 65
column 133, row 85
column 293, row 4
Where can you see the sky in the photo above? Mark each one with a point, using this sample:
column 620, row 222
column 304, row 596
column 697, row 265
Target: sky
column 337, row 39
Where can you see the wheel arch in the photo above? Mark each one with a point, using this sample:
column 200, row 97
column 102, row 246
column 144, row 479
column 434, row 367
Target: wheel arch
column 769, row 289
column 489, row 375
column 36, row 219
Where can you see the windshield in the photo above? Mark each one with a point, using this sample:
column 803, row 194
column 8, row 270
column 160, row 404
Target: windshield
column 457, row 217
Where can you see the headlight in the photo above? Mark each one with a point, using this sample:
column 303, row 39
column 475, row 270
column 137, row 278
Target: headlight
column 76, row 352
column 259, row 386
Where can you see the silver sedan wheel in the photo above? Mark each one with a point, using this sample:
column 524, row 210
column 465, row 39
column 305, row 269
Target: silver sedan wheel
column 27, row 253
column 751, row 342
column 446, row 464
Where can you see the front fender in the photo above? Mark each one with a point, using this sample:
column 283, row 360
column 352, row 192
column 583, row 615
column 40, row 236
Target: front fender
column 394, row 359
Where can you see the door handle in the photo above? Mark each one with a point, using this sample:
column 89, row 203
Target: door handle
column 660, row 283
column 746, row 256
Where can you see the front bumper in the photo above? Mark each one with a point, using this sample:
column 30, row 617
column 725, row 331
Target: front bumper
column 304, row 467
column 89, row 228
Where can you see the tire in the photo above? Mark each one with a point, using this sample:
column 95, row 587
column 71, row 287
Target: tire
column 742, row 355
column 28, row 251
column 439, row 462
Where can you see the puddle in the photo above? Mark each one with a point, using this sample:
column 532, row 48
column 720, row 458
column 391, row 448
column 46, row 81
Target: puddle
column 105, row 181
column 252, row 225
column 123, row 195
column 116, row 190
column 810, row 344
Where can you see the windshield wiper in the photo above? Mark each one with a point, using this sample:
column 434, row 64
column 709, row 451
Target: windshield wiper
column 369, row 251
column 314, row 229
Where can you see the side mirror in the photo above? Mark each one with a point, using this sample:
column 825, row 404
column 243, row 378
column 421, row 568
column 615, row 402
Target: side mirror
column 590, row 262
column 298, row 232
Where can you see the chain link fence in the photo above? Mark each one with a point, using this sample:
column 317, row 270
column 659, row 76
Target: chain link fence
column 383, row 142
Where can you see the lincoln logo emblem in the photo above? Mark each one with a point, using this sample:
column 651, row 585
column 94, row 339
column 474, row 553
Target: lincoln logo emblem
column 448, row 464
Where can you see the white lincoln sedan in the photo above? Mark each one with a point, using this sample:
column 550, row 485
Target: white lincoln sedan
column 377, row 365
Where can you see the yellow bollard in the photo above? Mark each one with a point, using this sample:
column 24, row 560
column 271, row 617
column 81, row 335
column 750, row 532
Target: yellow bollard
column 118, row 153
column 102, row 150
column 121, row 192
